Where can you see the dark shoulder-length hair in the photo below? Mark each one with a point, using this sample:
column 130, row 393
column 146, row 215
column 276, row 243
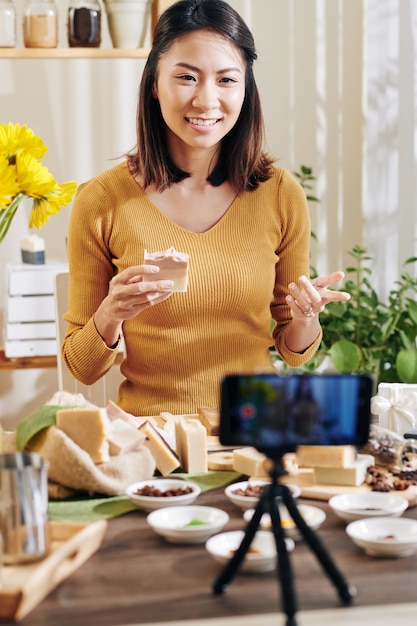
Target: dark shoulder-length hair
column 242, row 159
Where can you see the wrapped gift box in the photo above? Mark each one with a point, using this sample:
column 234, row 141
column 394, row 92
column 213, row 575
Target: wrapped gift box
column 395, row 405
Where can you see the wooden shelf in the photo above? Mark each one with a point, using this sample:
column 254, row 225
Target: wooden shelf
column 35, row 362
column 26, row 362
column 73, row 53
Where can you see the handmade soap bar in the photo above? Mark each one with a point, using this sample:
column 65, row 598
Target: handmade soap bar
column 191, row 440
column 32, row 249
column 165, row 458
column 354, row 475
column 124, row 438
column 172, row 265
column 88, row 428
column 250, row 462
column 325, row 456
column 210, row 419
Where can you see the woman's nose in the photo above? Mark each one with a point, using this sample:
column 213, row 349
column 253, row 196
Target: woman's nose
column 205, row 97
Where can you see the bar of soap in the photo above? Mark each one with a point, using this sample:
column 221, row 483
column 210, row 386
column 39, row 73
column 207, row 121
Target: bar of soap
column 210, row 419
column 88, row 428
column 33, row 250
column 165, row 458
column 250, row 461
column 124, row 438
column 325, row 456
column 173, row 265
column 191, row 440
column 353, row 476
column 220, row 461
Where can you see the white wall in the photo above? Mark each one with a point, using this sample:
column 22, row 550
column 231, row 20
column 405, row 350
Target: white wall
column 390, row 149
column 337, row 96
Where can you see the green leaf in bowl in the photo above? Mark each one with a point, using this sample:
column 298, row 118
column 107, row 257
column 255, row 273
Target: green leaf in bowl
column 194, row 522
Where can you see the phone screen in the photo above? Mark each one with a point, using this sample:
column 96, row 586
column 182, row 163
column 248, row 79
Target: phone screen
column 273, row 413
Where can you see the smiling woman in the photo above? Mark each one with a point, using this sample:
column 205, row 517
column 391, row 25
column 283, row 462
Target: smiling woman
column 200, row 102
column 199, row 181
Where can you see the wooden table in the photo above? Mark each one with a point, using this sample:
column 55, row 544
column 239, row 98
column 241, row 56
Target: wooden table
column 136, row 577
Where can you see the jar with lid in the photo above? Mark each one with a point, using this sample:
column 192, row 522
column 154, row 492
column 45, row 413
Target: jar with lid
column 7, row 24
column 84, row 24
column 40, row 24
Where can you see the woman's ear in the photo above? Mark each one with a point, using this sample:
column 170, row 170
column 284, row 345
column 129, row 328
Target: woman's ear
column 155, row 91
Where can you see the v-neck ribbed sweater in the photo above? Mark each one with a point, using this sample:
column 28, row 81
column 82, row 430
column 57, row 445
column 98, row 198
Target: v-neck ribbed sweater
column 178, row 351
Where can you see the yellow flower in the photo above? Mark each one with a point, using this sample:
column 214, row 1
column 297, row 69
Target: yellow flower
column 15, row 139
column 35, row 180
column 49, row 205
column 22, row 175
column 9, row 186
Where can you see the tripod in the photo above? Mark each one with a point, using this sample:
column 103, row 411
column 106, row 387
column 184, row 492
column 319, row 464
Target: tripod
column 268, row 504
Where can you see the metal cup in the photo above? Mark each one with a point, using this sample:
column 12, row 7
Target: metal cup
column 23, row 507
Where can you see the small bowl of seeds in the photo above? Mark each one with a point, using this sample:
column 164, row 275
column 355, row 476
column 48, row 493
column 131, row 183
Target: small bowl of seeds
column 158, row 493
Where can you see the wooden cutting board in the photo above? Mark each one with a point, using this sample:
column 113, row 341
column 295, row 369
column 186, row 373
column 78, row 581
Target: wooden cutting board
column 24, row 586
column 304, row 478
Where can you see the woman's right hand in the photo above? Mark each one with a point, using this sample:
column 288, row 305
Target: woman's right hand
column 130, row 292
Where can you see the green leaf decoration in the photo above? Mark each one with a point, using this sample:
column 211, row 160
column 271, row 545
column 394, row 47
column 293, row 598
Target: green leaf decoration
column 35, row 422
column 346, row 356
column 412, row 310
column 406, row 363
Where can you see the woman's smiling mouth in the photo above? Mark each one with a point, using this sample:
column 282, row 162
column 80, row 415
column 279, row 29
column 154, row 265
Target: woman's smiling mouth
column 197, row 121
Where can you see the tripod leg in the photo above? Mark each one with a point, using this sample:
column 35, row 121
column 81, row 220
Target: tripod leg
column 230, row 570
column 289, row 601
column 346, row 592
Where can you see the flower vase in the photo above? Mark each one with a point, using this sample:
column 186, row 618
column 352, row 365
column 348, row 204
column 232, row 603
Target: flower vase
column 128, row 22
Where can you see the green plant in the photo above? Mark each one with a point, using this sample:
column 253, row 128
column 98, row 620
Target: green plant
column 365, row 334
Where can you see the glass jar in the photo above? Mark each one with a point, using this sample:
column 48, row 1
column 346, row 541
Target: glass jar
column 84, row 24
column 40, row 24
column 7, row 24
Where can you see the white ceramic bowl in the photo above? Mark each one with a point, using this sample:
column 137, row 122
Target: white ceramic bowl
column 248, row 501
column 312, row 515
column 261, row 557
column 151, row 502
column 187, row 524
column 384, row 536
column 354, row 506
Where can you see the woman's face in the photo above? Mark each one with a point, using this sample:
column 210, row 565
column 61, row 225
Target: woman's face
column 200, row 86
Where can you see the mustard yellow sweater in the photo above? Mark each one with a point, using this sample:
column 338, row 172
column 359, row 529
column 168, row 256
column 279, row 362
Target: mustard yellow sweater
column 178, row 351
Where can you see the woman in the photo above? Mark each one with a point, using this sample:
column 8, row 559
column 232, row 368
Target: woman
column 199, row 181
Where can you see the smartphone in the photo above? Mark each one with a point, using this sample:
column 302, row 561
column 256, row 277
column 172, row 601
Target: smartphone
column 275, row 414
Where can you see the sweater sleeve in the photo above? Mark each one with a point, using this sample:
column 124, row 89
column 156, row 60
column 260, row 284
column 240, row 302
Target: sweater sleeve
column 293, row 261
column 85, row 353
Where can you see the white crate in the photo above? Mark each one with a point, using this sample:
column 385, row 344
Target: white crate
column 30, row 325
column 31, row 309
column 24, row 279
column 33, row 347
column 31, row 330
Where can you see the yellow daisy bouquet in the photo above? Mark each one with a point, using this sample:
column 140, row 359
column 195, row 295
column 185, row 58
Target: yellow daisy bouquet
column 22, row 175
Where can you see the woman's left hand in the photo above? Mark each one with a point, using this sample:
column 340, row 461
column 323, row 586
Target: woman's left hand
column 311, row 297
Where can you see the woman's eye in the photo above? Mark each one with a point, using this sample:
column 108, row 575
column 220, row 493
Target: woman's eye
column 227, row 80
column 187, row 77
